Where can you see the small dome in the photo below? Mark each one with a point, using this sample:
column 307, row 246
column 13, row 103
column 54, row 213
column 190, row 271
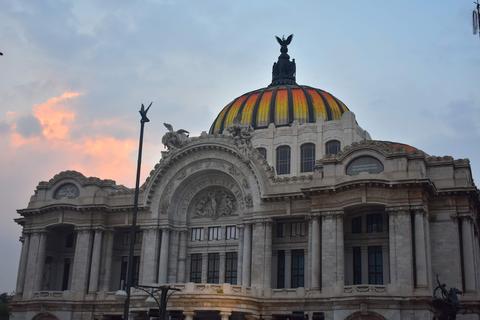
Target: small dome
column 280, row 105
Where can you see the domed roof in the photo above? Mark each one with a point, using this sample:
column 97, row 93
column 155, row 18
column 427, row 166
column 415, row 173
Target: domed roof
column 282, row 102
column 280, row 105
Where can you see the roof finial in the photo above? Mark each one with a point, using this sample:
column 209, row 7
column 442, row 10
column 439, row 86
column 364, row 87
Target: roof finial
column 283, row 71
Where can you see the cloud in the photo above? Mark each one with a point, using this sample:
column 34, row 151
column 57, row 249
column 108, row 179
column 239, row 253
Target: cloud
column 28, row 126
column 91, row 150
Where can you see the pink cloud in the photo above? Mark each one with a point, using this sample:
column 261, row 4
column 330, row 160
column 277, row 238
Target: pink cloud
column 93, row 154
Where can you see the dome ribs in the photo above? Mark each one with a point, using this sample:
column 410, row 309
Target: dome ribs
column 244, row 114
column 219, row 121
column 282, row 106
column 233, row 111
column 300, row 105
column 291, row 115
column 273, row 106
column 255, row 109
column 263, row 112
column 334, row 107
column 311, row 114
column 328, row 109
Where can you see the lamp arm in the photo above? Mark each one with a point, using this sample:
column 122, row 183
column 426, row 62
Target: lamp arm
column 151, row 294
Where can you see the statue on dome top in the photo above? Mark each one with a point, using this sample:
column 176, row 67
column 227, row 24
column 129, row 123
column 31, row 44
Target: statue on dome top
column 283, row 71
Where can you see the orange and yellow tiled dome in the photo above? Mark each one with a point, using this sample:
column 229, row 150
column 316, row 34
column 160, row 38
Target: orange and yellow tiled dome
column 280, row 105
column 282, row 102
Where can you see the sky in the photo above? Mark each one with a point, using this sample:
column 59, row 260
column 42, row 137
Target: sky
column 74, row 74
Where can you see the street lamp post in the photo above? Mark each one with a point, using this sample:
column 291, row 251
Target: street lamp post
column 152, row 292
column 128, row 285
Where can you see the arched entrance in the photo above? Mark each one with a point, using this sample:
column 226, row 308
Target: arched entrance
column 364, row 316
column 44, row 316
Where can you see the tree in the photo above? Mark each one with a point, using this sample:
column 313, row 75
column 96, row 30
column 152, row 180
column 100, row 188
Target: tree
column 4, row 299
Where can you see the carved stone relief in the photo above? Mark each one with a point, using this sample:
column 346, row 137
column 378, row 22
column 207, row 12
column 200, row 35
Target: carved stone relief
column 214, row 202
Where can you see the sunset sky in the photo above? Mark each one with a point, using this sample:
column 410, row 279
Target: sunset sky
column 73, row 76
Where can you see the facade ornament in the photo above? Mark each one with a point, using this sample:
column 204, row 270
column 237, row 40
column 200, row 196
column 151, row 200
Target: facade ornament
column 241, row 133
column 174, row 139
column 215, row 203
column 248, row 201
column 446, row 305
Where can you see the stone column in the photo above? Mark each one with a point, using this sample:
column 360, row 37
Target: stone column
column 81, row 261
column 267, row 271
column 400, row 243
column 247, row 255
column 96, row 258
column 468, row 254
column 35, row 263
column 22, row 266
column 240, row 254
column 182, row 257
column 204, row 267
column 173, row 256
column 288, row 269
column 163, row 268
column 420, row 249
column 106, row 276
column 332, row 251
column 225, row 315
column 258, row 253
column 221, row 267
column 188, row 315
column 149, row 255
column 315, row 253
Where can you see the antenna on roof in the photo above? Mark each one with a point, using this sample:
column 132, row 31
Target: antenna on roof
column 476, row 18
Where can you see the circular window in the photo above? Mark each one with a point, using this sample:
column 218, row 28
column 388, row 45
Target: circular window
column 67, row 191
column 366, row 164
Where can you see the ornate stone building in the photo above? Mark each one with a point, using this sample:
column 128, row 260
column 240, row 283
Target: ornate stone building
column 286, row 209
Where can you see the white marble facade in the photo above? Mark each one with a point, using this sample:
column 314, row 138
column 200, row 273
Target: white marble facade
column 242, row 242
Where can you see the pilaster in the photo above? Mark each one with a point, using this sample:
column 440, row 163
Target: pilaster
column 332, row 250
column 81, row 261
column 247, row 255
column 164, row 246
column 25, row 239
column 400, row 243
column 149, row 255
column 96, row 259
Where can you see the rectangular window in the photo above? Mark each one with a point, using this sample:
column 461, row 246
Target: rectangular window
column 375, row 265
column 196, row 234
column 298, row 267
column 213, row 268
column 213, row 233
column 374, row 222
column 307, row 157
column 297, row 229
column 230, row 232
column 357, row 265
column 279, row 230
column 124, row 270
column 357, row 224
column 283, row 160
column 66, row 273
column 280, row 269
column 231, row 267
column 196, row 267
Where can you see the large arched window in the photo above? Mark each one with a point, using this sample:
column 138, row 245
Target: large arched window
column 263, row 152
column 283, row 160
column 307, row 157
column 332, row 147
